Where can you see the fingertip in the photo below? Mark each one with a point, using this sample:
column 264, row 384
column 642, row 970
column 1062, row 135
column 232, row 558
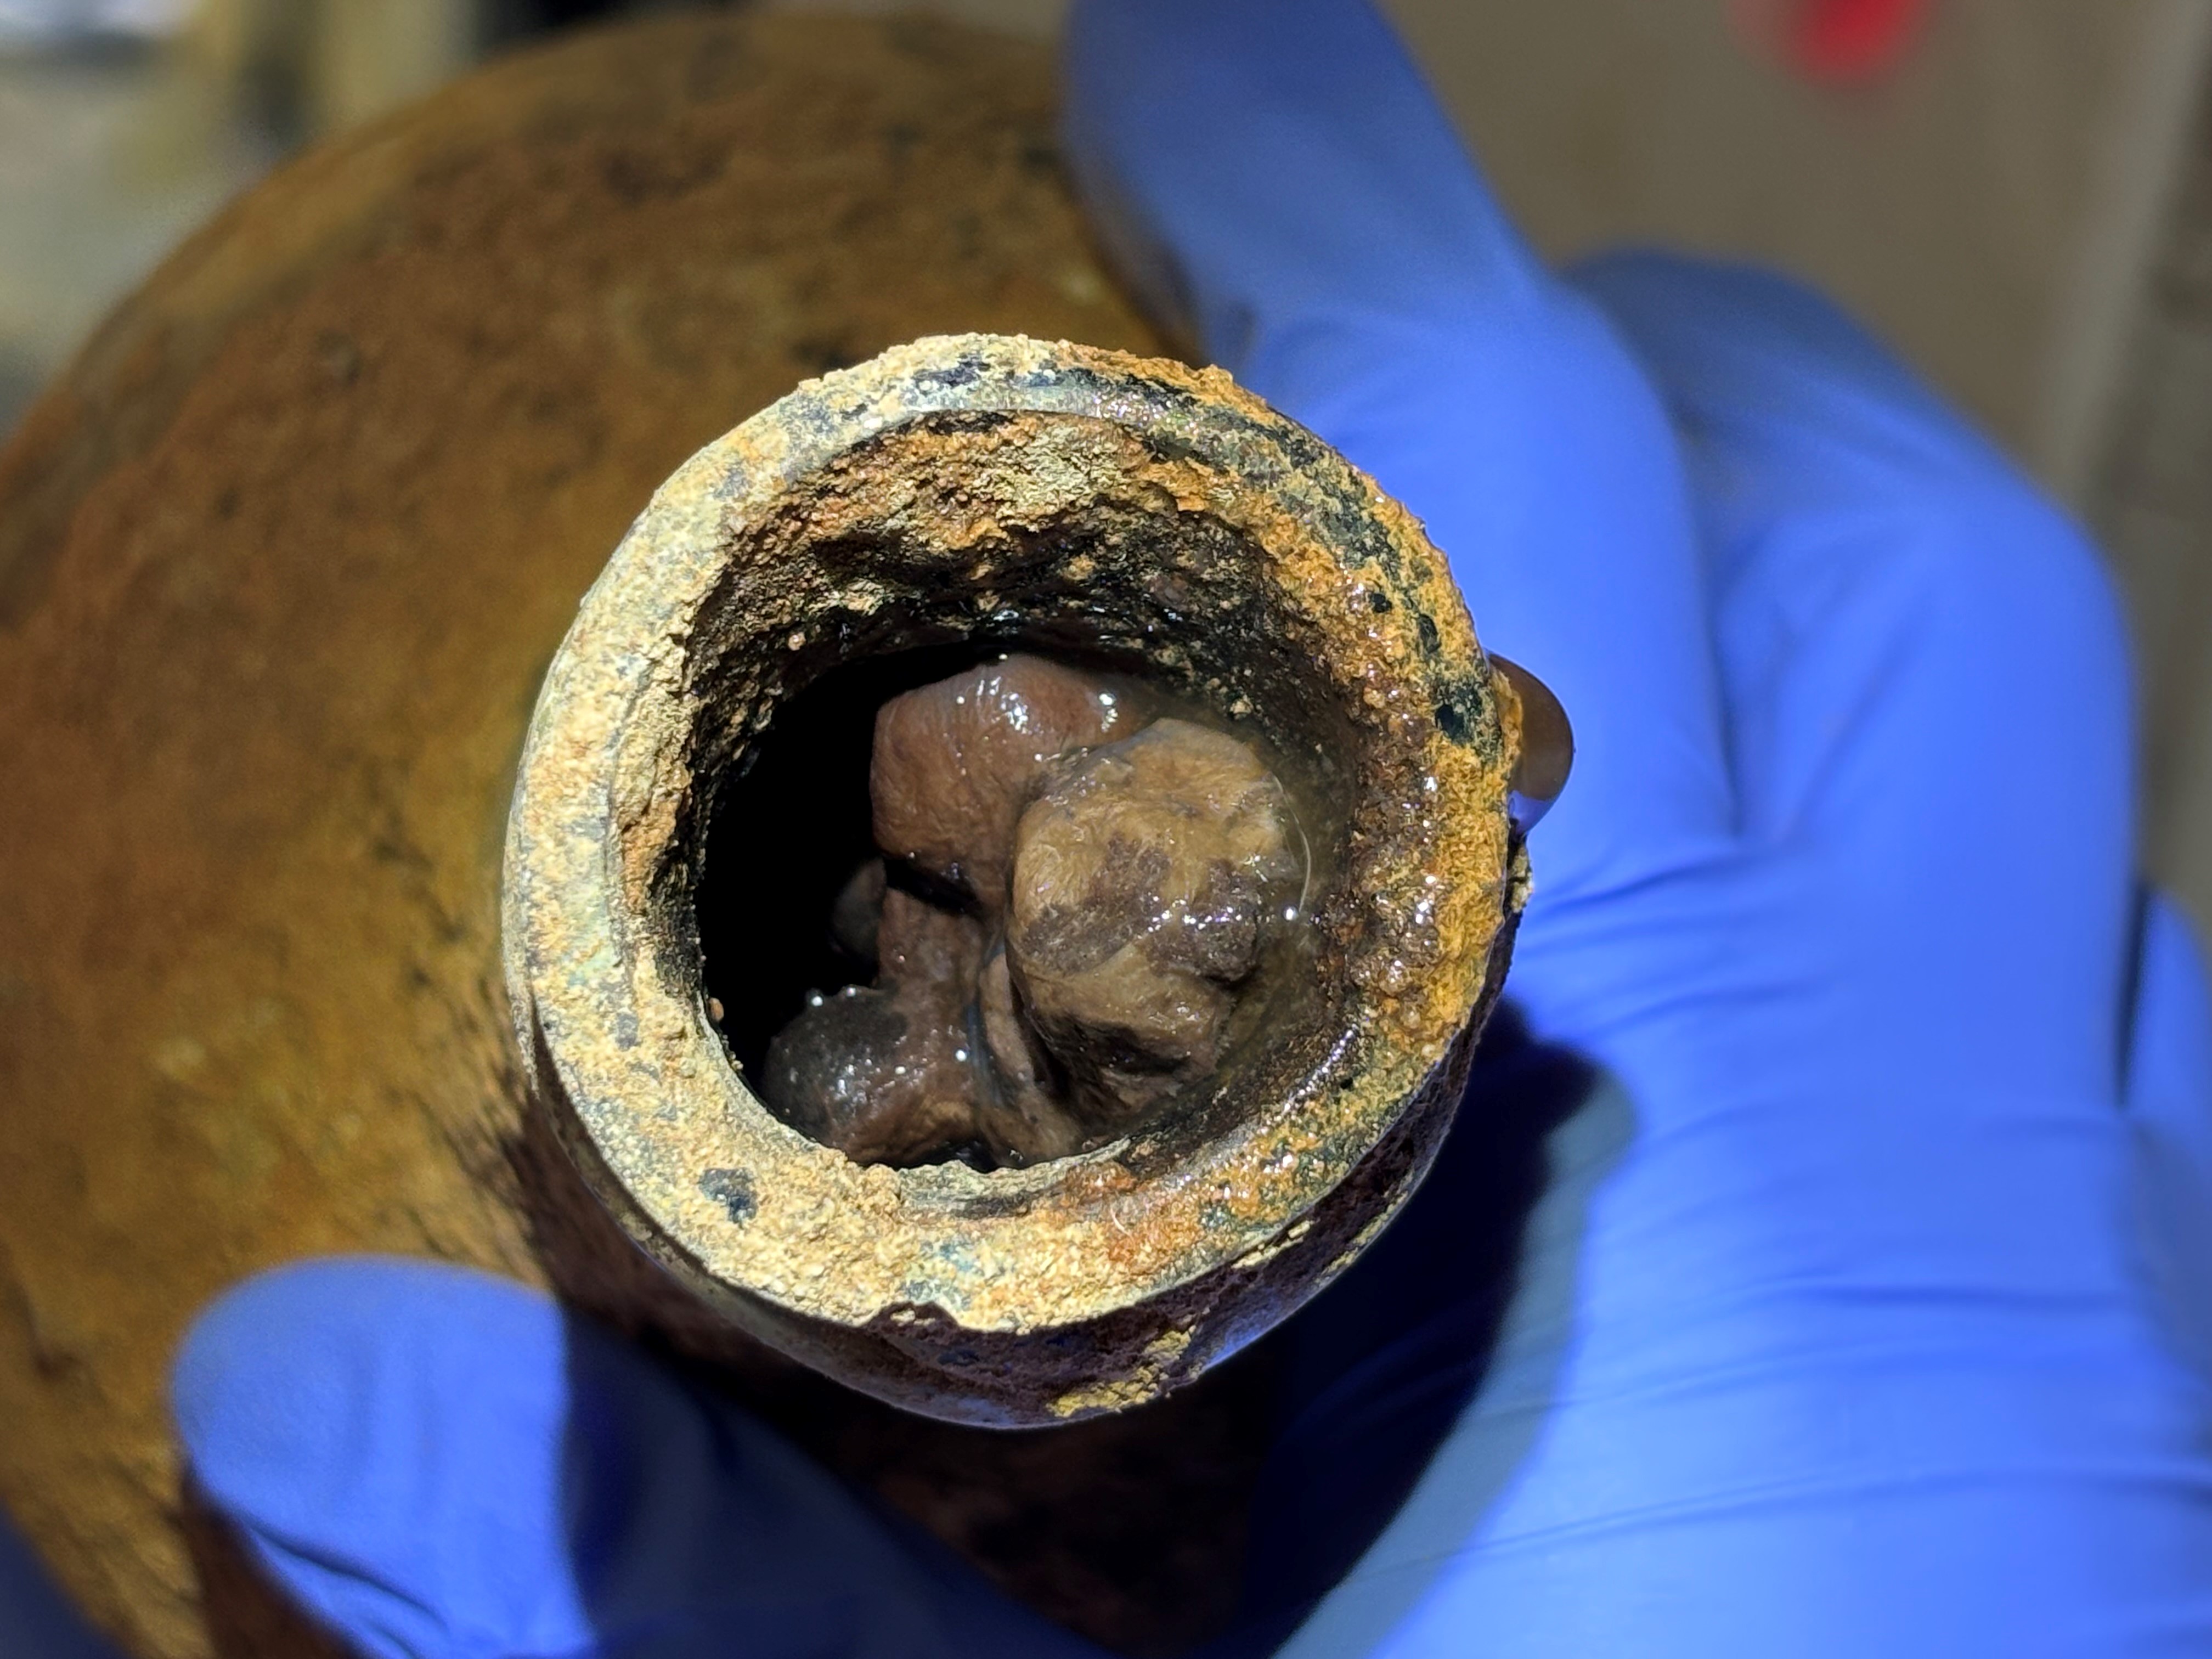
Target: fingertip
column 278, row 1372
column 1252, row 164
column 1725, row 338
column 388, row 1436
column 1791, row 406
column 254, row 1361
column 1803, row 430
column 1798, row 419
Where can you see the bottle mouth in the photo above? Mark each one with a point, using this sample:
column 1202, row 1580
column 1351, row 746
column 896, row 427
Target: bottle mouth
column 957, row 497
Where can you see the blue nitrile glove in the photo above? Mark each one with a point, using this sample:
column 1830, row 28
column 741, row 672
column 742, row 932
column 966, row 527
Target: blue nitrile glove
column 1865, row 1310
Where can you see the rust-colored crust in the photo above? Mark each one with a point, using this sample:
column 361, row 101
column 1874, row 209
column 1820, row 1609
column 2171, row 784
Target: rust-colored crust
column 283, row 558
column 988, row 488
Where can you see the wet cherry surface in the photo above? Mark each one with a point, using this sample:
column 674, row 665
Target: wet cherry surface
column 1071, row 897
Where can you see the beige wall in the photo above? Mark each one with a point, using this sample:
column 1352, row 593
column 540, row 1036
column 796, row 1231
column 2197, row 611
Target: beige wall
column 1990, row 207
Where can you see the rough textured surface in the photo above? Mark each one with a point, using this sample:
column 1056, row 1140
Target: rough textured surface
column 282, row 560
column 980, row 490
column 1147, row 876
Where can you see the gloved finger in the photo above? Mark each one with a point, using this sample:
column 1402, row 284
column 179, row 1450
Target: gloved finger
column 1925, row 677
column 2169, row 1106
column 436, row 1463
column 1276, row 172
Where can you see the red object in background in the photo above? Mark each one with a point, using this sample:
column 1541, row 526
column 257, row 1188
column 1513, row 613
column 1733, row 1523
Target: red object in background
column 1849, row 39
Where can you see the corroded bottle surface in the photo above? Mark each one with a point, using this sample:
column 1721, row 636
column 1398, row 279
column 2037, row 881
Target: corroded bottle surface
column 283, row 559
column 1181, row 1166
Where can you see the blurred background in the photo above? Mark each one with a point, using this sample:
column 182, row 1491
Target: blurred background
column 2017, row 194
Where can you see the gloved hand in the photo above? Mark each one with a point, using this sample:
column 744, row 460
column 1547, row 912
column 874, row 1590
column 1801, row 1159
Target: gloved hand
column 1865, row 1309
